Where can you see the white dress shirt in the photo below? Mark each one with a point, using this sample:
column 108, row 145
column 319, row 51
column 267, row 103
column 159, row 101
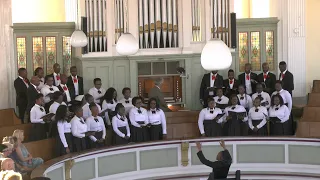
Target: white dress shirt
column 284, row 72
column 127, row 103
column 66, row 91
column 41, row 85
column 157, row 117
column 76, row 85
column 95, row 126
column 57, row 82
column 237, row 109
column 245, row 101
column 36, row 114
column 286, row 96
column 109, row 106
column 87, row 111
column 48, row 90
column 281, row 112
column 135, row 116
column 265, row 98
column 63, row 127
column 265, row 74
column 78, row 127
column 260, row 115
column 248, row 83
column 212, row 81
column 94, row 92
column 206, row 115
column 117, row 122
column 54, row 106
column 231, row 84
column 27, row 85
column 221, row 100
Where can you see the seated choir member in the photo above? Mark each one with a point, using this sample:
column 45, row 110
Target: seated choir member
column 109, row 103
column 58, row 100
column 64, row 143
column 86, row 101
column 65, row 90
column 257, row 118
column 97, row 91
column 264, row 97
column 79, row 130
column 120, row 126
column 236, row 118
column 209, row 121
column 221, row 101
column 126, row 100
column 95, row 124
column 230, row 84
column 220, row 168
column 40, row 73
column 244, row 99
column 138, row 117
column 279, row 115
column 47, row 91
column 157, row 121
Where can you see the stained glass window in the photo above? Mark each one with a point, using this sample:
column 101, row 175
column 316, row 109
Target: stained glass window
column 51, row 51
column 270, row 49
column 255, row 51
column 37, row 55
column 243, row 50
column 66, row 54
column 21, row 52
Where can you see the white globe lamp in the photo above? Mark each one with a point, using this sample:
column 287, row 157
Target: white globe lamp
column 78, row 39
column 216, row 55
column 127, row 45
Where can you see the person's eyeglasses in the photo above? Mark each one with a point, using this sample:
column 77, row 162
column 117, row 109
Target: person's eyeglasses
column 98, row 84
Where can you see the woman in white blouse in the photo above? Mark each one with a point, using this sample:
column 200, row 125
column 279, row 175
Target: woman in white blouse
column 139, row 120
column 257, row 118
column 95, row 124
column 109, row 102
column 279, row 115
column 120, row 126
column 244, row 99
column 221, row 100
column 210, row 120
column 126, row 100
column 64, row 137
column 157, row 121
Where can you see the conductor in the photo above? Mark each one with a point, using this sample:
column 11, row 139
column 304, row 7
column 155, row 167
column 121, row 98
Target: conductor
column 220, row 168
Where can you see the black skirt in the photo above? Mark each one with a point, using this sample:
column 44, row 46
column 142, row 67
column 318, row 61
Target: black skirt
column 212, row 128
column 237, row 127
column 38, row 132
column 261, row 132
column 156, row 132
column 279, row 129
column 79, row 144
column 139, row 134
column 117, row 140
column 97, row 135
column 60, row 149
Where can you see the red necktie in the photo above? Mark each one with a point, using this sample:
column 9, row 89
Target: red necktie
column 265, row 76
column 248, row 77
column 231, row 81
column 65, row 88
column 58, row 78
column 26, row 80
column 213, row 77
column 75, row 80
column 282, row 75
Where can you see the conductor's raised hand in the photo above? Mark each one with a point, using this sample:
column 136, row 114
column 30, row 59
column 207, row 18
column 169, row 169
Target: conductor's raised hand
column 222, row 144
column 199, row 146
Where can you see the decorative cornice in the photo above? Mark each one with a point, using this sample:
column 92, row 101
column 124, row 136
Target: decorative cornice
column 257, row 21
column 43, row 27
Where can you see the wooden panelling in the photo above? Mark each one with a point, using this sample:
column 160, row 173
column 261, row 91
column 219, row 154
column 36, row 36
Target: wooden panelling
column 44, row 148
column 8, row 118
column 314, row 100
column 8, row 130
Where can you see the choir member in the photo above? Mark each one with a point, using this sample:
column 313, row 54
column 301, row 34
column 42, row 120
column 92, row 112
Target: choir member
column 75, row 83
column 286, row 77
column 95, row 124
column 257, row 119
column 248, row 79
column 38, row 118
column 155, row 92
column 21, row 85
column 97, row 91
column 64, row 137
column 64, row 89
column 264, row 97
column 236, row 118
column 244, row 99
column 109, row 103
column 221, row 101
column 208, row 83
column 79, row 130
column 40, row 73
column 157, row 121
column 126, row 100
column 120, row 126
column 279, row 115
column 230, row 84
column 32, row 93
column 87, row 100
column 58, row 100
column 267, row 78
column 138, row 117
column 210, row 120
column 55, row 74
column 47, row 91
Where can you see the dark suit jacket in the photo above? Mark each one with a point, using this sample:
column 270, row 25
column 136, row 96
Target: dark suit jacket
column 253, row 76
column 270, row 82
column 155, row 92
column 71, row 86
column 287, row 82
column 228, row 91
column 21, row 92
column 32, row 95
column 64, row 94
column 205, row 83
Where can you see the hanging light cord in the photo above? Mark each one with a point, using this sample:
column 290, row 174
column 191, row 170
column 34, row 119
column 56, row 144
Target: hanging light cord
column 126, row 11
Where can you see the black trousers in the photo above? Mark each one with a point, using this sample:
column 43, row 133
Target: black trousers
column 22, row 110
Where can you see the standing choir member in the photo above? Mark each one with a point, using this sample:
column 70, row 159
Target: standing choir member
column 55, row 74
column 38, row 121
column 230, row 84
column 64, row 137
column 248, row 79
column 65, row 90
column 79, row 130
column 257, row 119
column 95, row 124
column 155, row 92
column 126, row 100
column 138, row 117
column 40, row 74
column 244, row 99
column 32, row 93
column 268, row 78
column 209, row 121
column 86, row 101
column 221, row 101
column 75, row 83
column 264, row 97
column 58, row 100
column 47, row 91
column 97, row 91
column 21, row 85
column 208, row 84
column 109, row 103
column 287, row 99
column 236, row 118
column 279, row 115
column 286, row 77
column 157, row 121
column 120, row 126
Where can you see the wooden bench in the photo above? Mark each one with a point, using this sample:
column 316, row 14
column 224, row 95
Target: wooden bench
column 8, row 118
column 316, row 86
column 8, row 130
column 44, row 148
column 308, row 129
column 311, row 114
column 314, row 100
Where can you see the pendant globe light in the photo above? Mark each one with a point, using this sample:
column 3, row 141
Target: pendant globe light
column 78, row 38
column 216, row 55
column 127, row 43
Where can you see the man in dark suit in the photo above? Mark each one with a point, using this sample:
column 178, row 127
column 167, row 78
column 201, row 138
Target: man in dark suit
column 63, row 88
column 75, row 83
column 32, row 94
column 267, row 78
column 248, row 79
column 286, row 77
column 21, row 85
column 230, row 84
column 55, row 74
column 209, row 82
column 155, row 92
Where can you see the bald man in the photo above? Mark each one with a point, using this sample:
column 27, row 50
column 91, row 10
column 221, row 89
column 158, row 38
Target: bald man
column 155, row 92
column 7, row 164
column 267, row 78
column 32, row 93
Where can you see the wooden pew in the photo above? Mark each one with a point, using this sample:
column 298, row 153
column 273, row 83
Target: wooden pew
column 8, row 118
column 314, row 100
column 316, row 86
column 311, row 114
column 44, row 148
column 308, row 129
column 8, row 130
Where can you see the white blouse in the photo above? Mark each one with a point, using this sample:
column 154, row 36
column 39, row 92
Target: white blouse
column 281, row 112
column 36, row 114
column 48, row 90
column 266, row 100
column 54, row 106
column 87, row 111
column 135, row 116
column 63, row 127
column 94, row 92
column 78, row 127
column 110, row 106
column 260, row 115
column 157, row 117
column 127, row 103
column 221, row 100
column 117, row 122
column 245, row 101
column 95, row 126
column 206, row 115
column 237, row 109
column 286, row 96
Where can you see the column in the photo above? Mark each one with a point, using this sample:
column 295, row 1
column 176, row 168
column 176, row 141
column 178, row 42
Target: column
column 71, row 10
